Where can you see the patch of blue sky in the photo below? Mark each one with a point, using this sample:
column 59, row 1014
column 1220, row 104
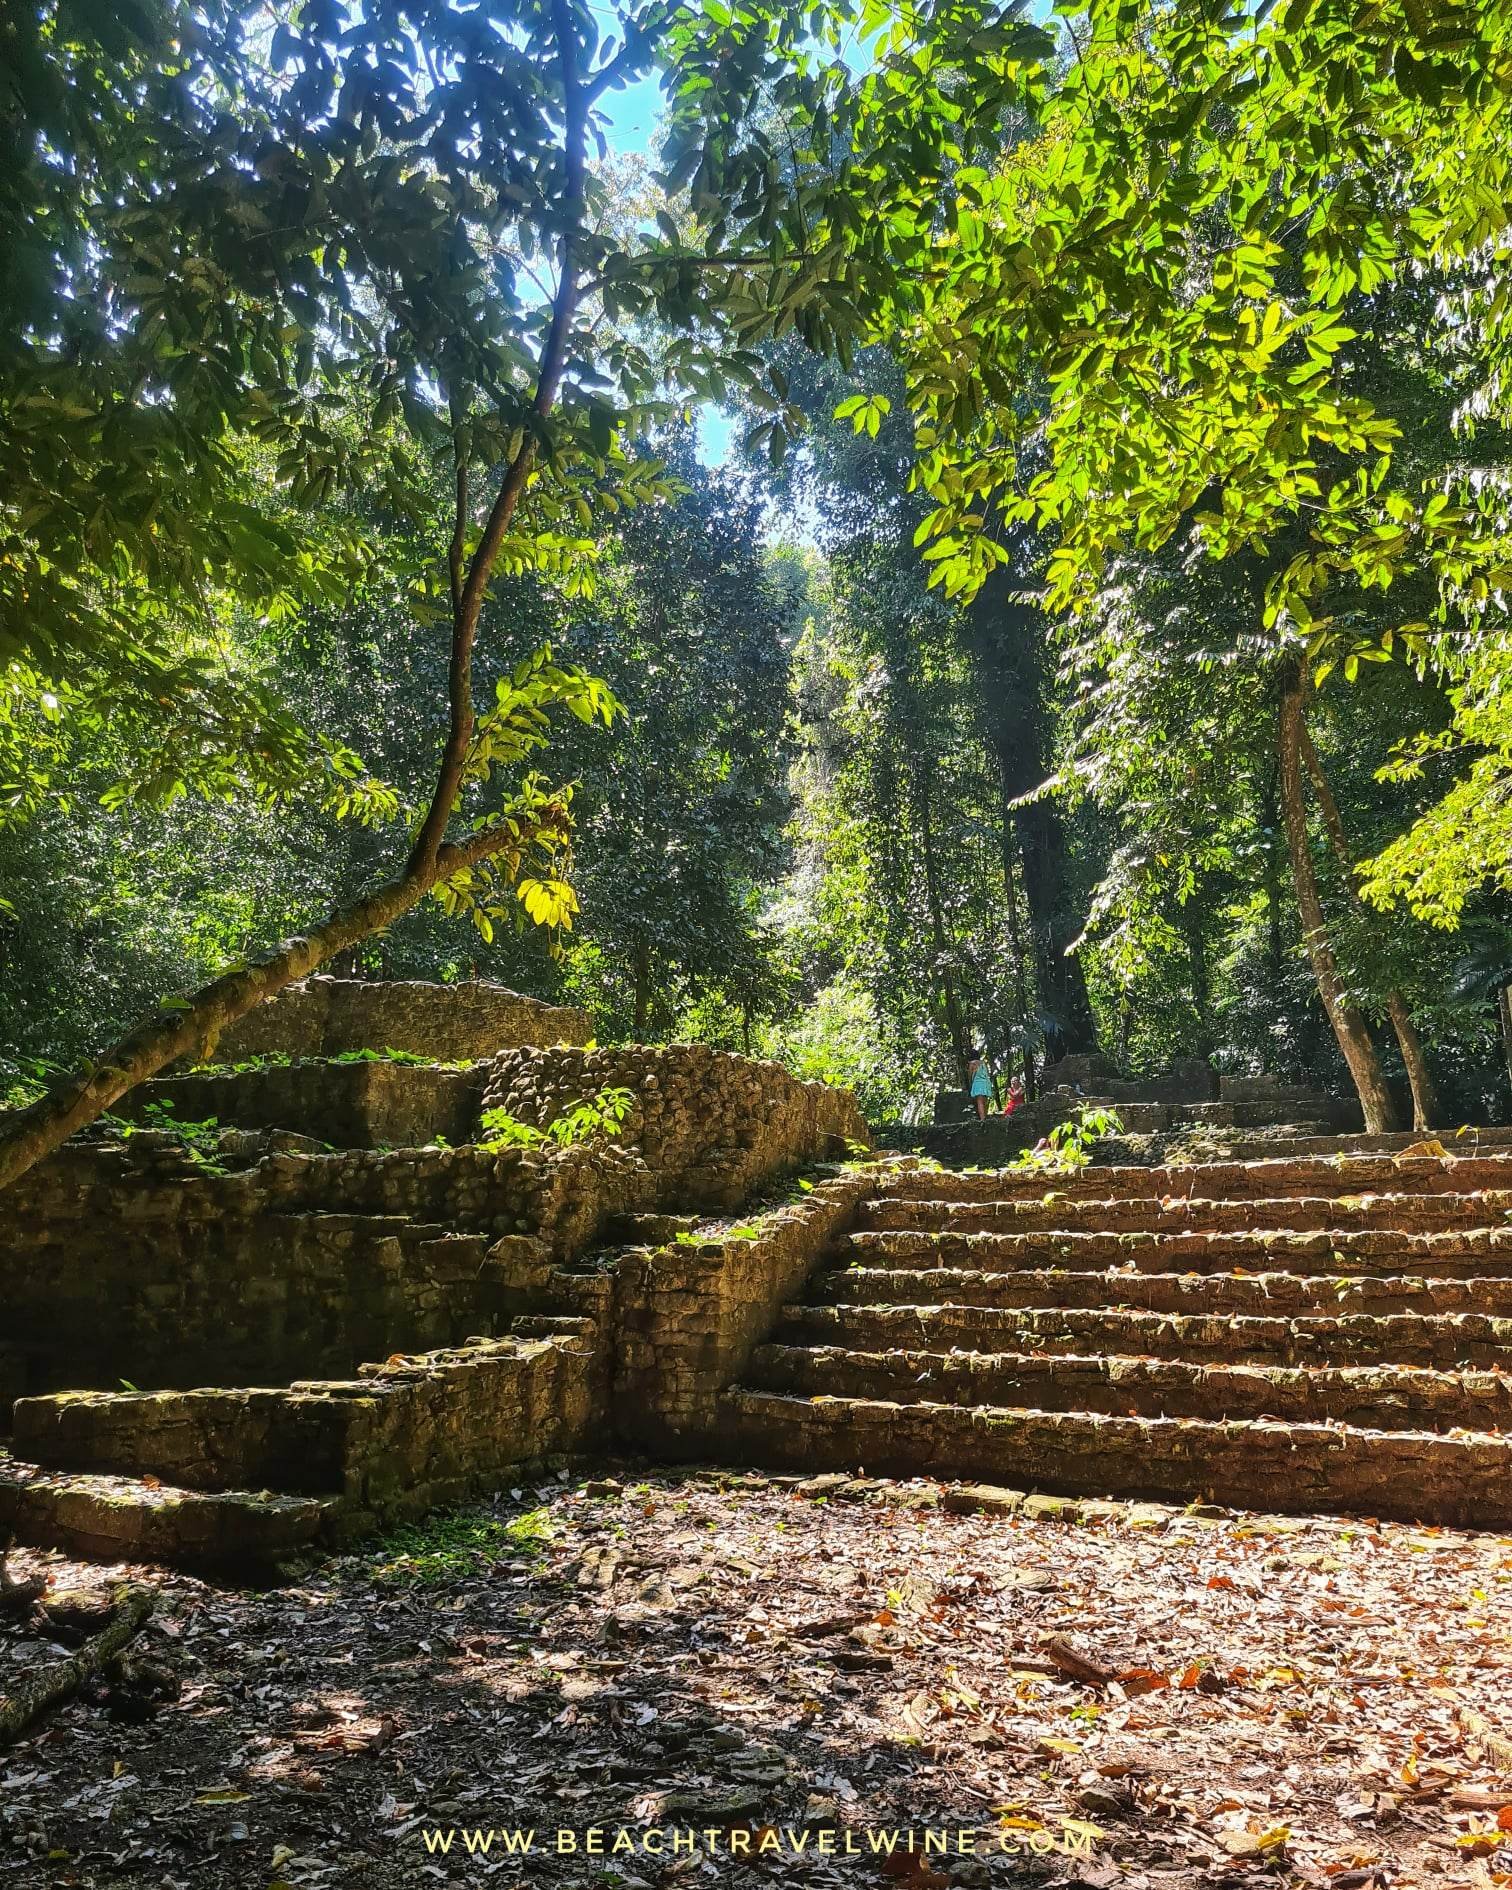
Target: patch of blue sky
column 631, row 116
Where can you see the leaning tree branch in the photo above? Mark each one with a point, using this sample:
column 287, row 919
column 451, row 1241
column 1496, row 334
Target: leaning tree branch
column 29, row 1134
column 191, row 1029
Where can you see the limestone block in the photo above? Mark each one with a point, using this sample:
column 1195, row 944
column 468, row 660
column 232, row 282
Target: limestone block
column 450, row 1022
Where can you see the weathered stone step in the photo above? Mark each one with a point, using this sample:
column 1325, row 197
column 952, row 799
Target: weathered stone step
column 1255, row 1113
column 409, row 1433
column 296, row 1439
column 1374, row 1397
column 1462, row 1481
column 1317, row 1142
column 871, row 1290
column 1447, row 1341
column 1455, row 1253
column 125, row 1519
column 1227, row 1180
column 1402, row 1213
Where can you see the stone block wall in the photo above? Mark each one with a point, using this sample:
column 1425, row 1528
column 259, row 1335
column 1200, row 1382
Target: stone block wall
column 262, row 1262
column 348, row 1105
column 410, row 1321
column 453, row 1023
column 1186, row 1080
column 686, row 1317
column 129, row 1262
column 717, row 1124
column 637, row 1355
column 446, row 1427
column 642, row 1361
column 711, row 1126
column 408, row 1436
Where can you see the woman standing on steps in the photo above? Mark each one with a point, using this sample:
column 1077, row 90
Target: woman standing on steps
column 981, row 1083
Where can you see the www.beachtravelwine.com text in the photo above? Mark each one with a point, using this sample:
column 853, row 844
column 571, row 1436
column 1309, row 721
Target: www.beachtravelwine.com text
column 766, row 1841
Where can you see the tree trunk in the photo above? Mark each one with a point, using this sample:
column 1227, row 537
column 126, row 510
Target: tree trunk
column 1021, row 996
column 955, row 1022
column 192, row 1029
column 1274, row 952
column 1006, row 641
column 28, row 1134
column 1349, row 1025
column 1202, row 981
column 1427, row 1112
column 642, row 987
column 1070, row 1030
column 1504, row 1013
column 1425, row 1103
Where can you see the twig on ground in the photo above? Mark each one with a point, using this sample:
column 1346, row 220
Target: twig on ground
column 1494, row 1744
column 1076, row 1665
column 38, row 1690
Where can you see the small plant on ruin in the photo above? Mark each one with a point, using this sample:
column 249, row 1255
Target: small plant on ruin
column 379, row 1056
column 269, row 1060
column 1069, row 1144
column 502, row 1130
column 200, row 1141
column 601, row 1116
column 451, row 1545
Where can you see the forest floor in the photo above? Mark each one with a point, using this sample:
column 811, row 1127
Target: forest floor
column 797, row 1674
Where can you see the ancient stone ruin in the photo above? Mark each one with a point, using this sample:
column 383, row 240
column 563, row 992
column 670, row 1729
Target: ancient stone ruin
column 303, row 1316
column 448, row 1022
column 314, row 1310
column 1186, row 1107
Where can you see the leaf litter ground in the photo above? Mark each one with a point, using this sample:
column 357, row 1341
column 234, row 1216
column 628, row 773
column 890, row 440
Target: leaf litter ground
column 796, row 1667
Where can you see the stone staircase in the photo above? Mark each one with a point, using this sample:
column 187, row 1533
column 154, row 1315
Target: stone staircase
column 1189, row 1113
column 1311, row 1333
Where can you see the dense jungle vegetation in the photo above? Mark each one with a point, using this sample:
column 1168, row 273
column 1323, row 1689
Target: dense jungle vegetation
column 1095, row 635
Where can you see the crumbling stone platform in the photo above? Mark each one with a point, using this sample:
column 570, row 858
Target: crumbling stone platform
column 379, row 1104
column 451, row 1023
column 280, row 1331
column 1188, row 1105
column 224, row 1349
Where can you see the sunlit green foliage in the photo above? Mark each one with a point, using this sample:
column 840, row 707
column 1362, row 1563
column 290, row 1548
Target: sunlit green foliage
column 1189, row 357
column 1463, row 842
column 600, row 1117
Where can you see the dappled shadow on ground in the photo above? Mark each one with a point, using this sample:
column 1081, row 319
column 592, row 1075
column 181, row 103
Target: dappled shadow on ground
column 764, row 1681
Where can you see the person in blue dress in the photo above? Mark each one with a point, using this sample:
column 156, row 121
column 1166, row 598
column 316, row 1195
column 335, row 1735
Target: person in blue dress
column 980, row 1083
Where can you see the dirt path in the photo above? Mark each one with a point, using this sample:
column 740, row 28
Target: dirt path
column 796, row 1673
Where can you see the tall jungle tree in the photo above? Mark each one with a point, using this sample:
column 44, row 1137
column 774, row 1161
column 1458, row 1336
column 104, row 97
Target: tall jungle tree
column 1185, row 258
column 963, row 717
column 682, row 815
column 252, row 284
